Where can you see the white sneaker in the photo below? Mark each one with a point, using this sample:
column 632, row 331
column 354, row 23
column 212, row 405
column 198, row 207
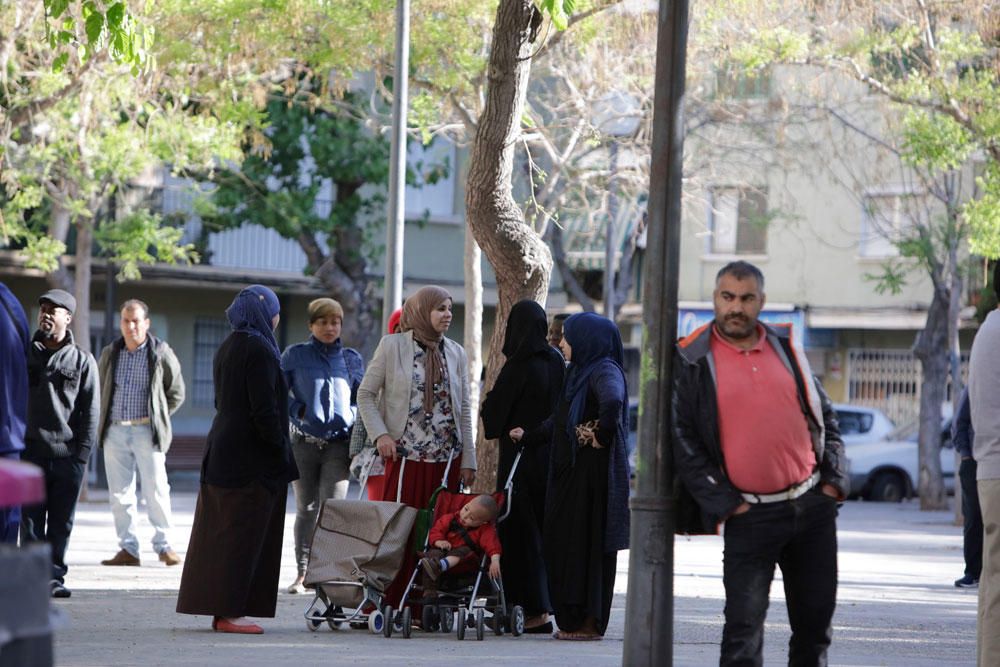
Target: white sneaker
column 297, row 588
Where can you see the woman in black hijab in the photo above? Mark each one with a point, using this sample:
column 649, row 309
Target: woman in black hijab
column 525, row 394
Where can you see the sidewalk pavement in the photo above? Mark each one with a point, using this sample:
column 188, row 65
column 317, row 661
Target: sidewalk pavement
column 896, row 606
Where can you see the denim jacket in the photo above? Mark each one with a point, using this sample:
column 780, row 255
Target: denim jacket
column 323, row 385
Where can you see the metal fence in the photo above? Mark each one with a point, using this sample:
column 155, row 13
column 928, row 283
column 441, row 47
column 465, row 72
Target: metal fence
column 890, row 381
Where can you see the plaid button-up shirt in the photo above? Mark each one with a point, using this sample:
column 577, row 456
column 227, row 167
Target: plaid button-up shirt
column 130, row 399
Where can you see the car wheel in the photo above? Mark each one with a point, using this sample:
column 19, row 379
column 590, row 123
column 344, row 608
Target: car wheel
column 888, row 487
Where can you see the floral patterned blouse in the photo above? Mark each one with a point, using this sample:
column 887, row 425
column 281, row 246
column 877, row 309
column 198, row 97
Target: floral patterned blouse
column 433, row 436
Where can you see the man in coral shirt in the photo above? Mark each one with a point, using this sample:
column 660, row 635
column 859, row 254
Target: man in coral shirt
column 758, row 449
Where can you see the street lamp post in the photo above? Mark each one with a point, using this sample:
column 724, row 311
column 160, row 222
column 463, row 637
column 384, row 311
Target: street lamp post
column 649, row 613
column 617, row 116
column 393, row 295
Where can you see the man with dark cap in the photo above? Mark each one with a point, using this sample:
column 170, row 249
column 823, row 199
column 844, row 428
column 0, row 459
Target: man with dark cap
column 13, row 394
column 63, row 407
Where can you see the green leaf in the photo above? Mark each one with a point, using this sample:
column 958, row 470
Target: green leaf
column 116, row 15
column 59, row 64
column 56, row 7
column 95, row 26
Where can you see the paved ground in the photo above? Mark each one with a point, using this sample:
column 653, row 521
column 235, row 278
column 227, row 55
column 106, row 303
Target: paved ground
column 897, row 606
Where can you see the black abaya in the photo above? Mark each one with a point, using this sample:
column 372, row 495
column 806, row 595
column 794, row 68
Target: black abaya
column 523, row 396
column 581, row 572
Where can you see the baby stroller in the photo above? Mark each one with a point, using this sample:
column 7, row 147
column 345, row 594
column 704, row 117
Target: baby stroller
column 357, row 549
column 462, row 599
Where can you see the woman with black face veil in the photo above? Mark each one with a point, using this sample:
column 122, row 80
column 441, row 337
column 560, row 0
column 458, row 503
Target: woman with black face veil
column 525, row 394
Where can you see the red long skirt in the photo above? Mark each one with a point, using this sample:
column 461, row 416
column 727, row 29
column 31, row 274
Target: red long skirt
column 375, row 486
column 420, row 479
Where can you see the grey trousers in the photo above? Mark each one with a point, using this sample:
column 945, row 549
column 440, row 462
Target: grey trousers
column 988, row 627
column 323, row 473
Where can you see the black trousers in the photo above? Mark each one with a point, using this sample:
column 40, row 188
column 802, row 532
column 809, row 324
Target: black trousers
column 972, row 529
column 52, row 520
column 800, row 537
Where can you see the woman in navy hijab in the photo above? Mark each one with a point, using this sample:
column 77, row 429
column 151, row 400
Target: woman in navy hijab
column 233, row 558
column 586, row 513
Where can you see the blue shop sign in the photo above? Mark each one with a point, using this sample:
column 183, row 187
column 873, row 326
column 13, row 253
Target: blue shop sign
column 689, row 319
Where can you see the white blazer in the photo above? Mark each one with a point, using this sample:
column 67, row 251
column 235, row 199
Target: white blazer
column 384, row 394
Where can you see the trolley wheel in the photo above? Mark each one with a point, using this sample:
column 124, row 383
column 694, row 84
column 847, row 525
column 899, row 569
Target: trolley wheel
column 407, row 623
column 461, row 623
column 335, row 618
column 313, row 624
column 516, row 626
column 480, row 624
column 447, row 619
column 389, row 618
column 499, row 621
column 376, row 622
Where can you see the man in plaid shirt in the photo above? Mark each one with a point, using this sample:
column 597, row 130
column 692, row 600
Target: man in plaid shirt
column 141, row 387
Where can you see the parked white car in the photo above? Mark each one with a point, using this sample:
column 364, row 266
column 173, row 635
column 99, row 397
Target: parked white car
column 886, row 470
column 862, row 424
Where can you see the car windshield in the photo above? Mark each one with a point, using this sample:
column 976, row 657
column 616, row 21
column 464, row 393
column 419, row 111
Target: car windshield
column 854, row 423
column 909, row 430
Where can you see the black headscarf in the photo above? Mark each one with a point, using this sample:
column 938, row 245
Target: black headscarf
column 526, row 332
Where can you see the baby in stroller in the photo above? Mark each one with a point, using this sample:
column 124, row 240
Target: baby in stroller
column 459, row 540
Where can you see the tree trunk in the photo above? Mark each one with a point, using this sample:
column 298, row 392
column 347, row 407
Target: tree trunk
column 931, row 348
column 473, row 342
column 84, row 265
column 357, row 296
column 351, row 287
column 521, row 260
column 955, row 364
column 624, row 279
column 61, row 278
column 570, row 283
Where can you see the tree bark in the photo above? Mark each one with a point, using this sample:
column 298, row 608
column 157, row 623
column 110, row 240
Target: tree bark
column 931, row 348
column 84, row 266
column 570, row 283
column 61, row 278
column 521, row 260
column 351, row 287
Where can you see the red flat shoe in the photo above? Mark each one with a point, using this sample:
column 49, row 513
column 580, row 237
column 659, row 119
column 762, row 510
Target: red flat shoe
column 222, row 625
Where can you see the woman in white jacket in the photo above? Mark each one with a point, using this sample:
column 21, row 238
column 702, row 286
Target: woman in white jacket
column 414, row 400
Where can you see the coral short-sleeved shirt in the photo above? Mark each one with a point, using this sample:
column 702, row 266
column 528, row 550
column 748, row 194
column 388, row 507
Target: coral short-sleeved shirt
column 766, row 444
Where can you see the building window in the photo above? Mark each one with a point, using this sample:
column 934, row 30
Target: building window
column 734, row 82
column 432, row 192
column 737, row 220
column 887, row 219
column 209, row 332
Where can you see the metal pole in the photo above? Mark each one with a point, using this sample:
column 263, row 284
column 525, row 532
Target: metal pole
column 649, row 609
column 393, row 297
column 609, row 241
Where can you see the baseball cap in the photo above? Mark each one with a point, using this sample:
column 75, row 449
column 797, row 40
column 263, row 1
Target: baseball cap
column 60, row 298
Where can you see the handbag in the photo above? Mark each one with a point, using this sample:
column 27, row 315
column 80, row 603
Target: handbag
column 359, row 438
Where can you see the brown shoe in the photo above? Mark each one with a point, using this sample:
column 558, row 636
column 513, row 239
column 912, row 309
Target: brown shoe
column 170, row 557
column 432, row 567
column 122, row 558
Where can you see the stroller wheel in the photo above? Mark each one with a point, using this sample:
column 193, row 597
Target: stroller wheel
column 517, row 621
column 429, row 618
column 376, row 622
column 447, row 618
column 499, row 621
column 407, row 623
column 388, row 615
column 313, row 624
column 480, row 625
column 461, row 623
